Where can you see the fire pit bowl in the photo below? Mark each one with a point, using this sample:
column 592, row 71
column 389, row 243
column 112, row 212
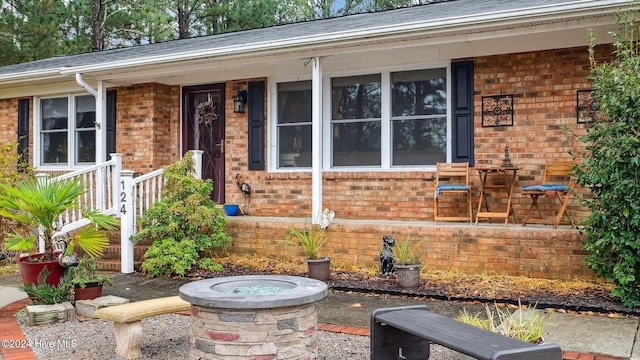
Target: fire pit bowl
column 254, row 316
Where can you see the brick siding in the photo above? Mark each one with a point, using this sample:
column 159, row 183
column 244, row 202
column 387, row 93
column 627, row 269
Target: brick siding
column 544, row 86
column 514, row 250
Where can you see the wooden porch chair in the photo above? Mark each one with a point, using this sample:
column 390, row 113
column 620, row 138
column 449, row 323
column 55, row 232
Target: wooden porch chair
column 452, row 178
column 556, row 184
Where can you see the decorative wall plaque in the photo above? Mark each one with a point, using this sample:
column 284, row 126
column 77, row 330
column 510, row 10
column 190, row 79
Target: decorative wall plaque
column 587, row 109
column 497, row 110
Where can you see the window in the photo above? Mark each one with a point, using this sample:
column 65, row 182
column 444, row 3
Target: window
column 294, row 124
column 396, row 119
column 67, row 130
column 417, row 121
column 419, row 117
column 356, row 120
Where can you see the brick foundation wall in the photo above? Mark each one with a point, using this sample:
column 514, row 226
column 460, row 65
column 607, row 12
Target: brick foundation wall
column 515, row 250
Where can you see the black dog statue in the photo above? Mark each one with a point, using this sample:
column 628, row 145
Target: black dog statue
column 387, row 261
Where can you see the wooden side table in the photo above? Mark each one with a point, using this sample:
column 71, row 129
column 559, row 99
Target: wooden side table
column 509, row 179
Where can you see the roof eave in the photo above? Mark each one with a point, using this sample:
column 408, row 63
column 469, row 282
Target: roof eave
column 485, row 23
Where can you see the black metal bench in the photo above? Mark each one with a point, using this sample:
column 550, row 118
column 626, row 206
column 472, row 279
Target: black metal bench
column 406, row 333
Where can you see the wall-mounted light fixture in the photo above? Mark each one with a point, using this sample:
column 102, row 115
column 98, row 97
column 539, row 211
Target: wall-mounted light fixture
column 239, row 100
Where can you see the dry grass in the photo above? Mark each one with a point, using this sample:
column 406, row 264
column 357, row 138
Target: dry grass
column 487, row 285
column 8, row 269
column 493, row 285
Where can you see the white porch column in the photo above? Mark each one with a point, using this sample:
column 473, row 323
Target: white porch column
column 127, row 222
column 316, row 135
column 101, row 123
column 116, row 186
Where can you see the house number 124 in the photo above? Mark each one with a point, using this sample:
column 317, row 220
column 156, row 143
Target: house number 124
column 123, row 199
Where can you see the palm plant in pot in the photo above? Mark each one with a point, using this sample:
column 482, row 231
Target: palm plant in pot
column 407, row 263
column 312, row 238
column 39, row 205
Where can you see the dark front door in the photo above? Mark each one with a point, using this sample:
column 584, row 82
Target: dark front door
column 203, row 129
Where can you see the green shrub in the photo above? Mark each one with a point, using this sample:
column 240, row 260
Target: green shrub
column 183, row 226
column 13, row 169
column 210, row 265
column 610, row 167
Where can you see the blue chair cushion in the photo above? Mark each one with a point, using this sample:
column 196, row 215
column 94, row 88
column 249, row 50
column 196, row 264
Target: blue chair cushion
column 450, row 187
column 546, row 187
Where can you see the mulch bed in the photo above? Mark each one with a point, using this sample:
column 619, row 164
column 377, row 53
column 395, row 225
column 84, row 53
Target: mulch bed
column 553, row 295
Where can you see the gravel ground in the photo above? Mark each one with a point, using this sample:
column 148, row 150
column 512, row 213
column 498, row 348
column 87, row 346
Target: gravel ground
column 164, row 337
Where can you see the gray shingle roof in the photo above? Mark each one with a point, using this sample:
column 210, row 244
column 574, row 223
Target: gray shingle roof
column 453, row 11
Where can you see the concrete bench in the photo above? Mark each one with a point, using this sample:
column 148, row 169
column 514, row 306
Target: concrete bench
column 127, row 324
column 406, row 333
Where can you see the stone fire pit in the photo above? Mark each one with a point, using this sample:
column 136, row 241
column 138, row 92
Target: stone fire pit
column 254, row 317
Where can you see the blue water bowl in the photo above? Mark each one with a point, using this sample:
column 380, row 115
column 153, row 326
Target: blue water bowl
column 231, row 209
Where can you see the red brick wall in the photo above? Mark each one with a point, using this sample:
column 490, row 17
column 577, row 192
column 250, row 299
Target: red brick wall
column 8, row 120
column 544, row 86
column 148, row 126
column 514, row 250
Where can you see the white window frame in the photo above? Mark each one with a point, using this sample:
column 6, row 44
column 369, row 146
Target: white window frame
column 386, row 140
column 273, row 125
column 71, row 163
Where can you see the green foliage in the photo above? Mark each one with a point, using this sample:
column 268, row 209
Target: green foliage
column 405, row 254
column 38, row 204
column 311, row 237
column 45, row 294
column 527, row 325
column 210, row 265
column 610, row 167
column 33, row 29
column 13, row 169
column 184, row 225
column 87, row 272
column 476, row 320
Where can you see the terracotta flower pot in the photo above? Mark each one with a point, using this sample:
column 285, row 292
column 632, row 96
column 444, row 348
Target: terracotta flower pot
column 30, row 269
column 89, row 292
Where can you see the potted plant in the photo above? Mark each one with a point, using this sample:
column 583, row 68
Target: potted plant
column 38, row 205
column 408, row 265
column 312, row 238
column 43, row 293
column 87, row 283
column 527, row 324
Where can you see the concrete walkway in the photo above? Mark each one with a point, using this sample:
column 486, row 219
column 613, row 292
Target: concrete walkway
column 581, row 337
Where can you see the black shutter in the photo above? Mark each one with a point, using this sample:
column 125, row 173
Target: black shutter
column 255, row 100
column 111, row 123
column 23, row 132
column 462, row 73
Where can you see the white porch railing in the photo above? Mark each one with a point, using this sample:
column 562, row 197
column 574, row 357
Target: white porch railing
column 116, row 192
column 101, row 184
